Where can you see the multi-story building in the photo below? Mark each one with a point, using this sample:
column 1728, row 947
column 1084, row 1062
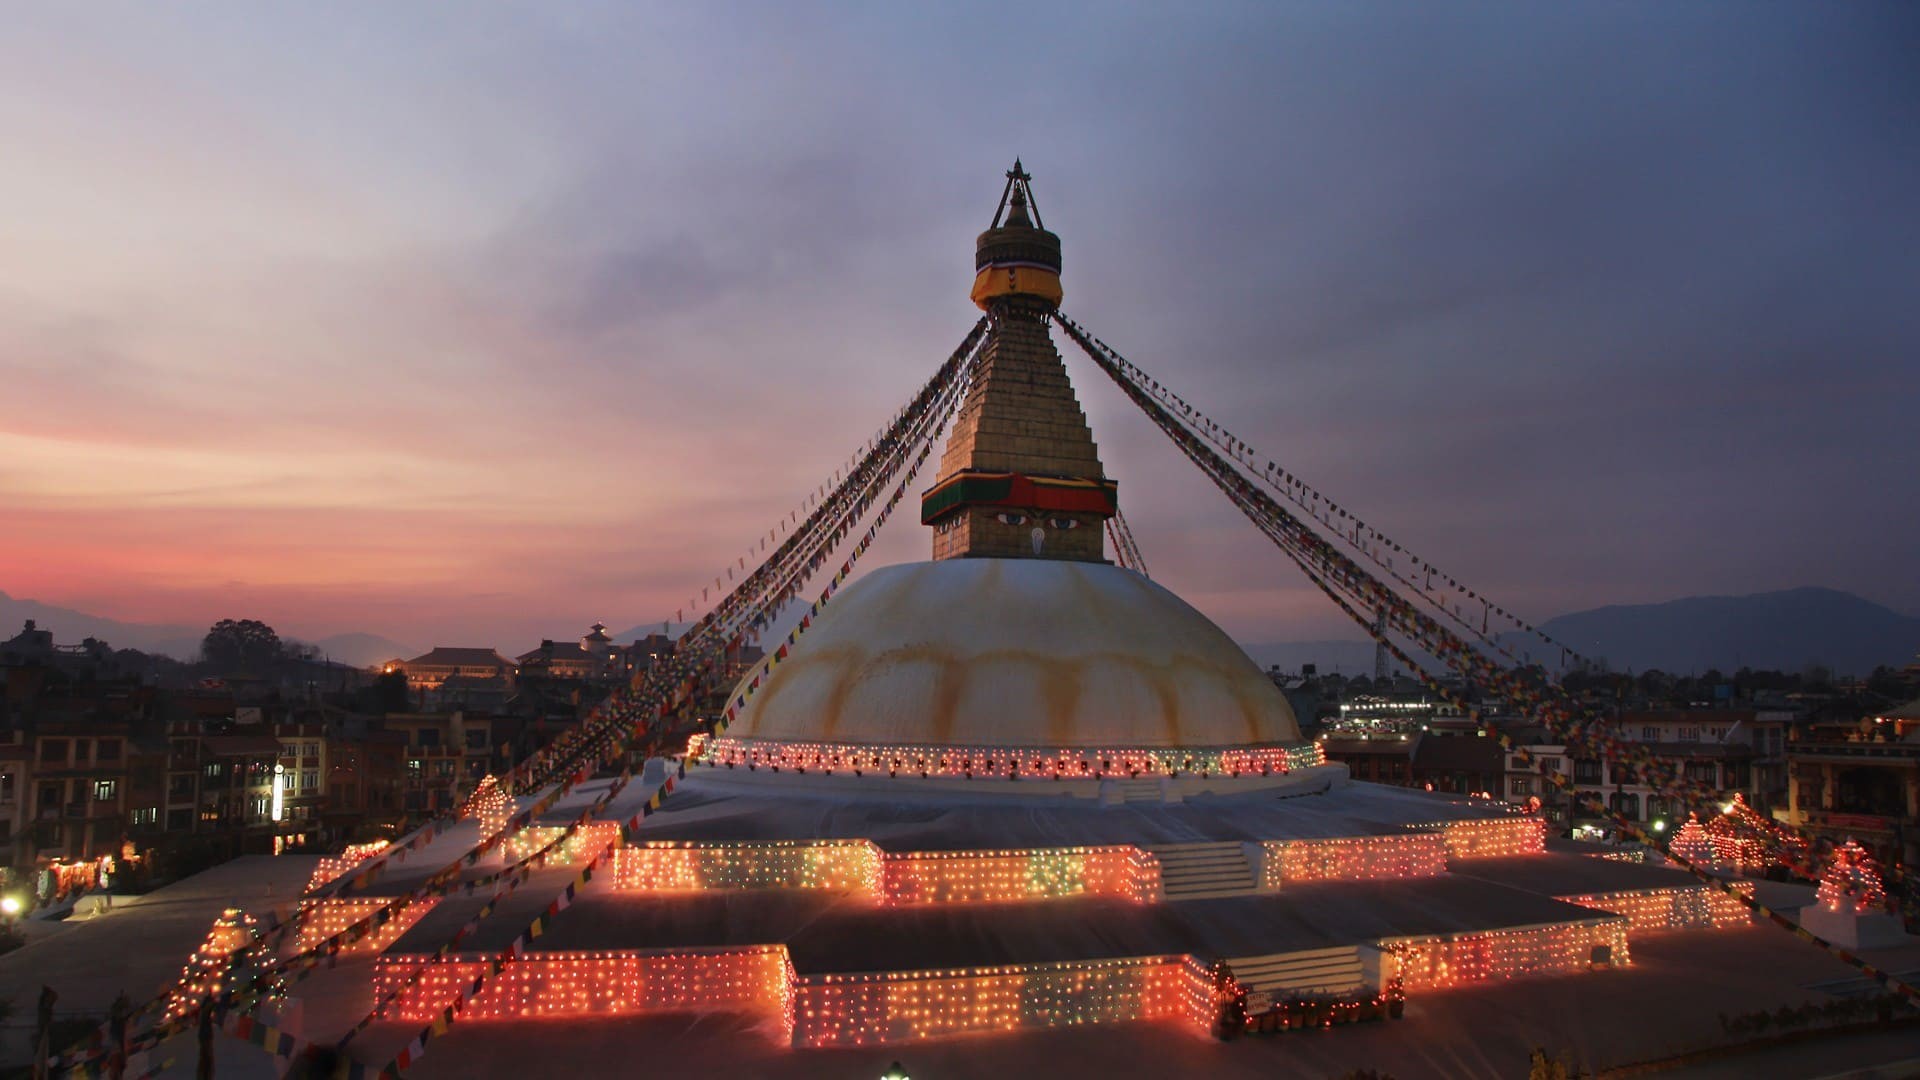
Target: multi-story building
column 366, row 782
column 437, row 760
column 15, row 756
column 80, row 792
column 301, row 769
column 430, row 669
column 1859, row 779
column 560, row 660
column 1714, row 748
column 236, row 789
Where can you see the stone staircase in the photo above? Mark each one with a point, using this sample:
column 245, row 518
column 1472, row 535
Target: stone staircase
column 1202, row 871
column 1333, row 972
column 1131, row 792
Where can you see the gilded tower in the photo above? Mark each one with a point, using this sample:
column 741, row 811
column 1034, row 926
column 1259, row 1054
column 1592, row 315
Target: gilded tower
column 1021, row 477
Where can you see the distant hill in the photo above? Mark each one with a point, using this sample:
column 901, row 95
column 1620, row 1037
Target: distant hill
column 1786, row 631
column 364, row 650
column 70, row 627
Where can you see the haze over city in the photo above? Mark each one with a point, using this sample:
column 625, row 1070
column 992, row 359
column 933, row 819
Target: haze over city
column 475, row 325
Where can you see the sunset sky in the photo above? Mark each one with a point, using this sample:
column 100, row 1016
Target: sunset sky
column 474, row 325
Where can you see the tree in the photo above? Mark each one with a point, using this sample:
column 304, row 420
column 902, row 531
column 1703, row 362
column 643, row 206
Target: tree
column 247, row 645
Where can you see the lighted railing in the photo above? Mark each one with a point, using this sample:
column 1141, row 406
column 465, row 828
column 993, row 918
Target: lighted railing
column 755, row 978
column 1437, row 962
column 1690, row 907
column 1489, row 838
column 860, row 867
column 331, row 916
column 1359, row 858
column 864, row 1009
column 1005, row 762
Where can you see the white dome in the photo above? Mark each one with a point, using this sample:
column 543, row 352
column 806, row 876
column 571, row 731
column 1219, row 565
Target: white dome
column 1020, row 653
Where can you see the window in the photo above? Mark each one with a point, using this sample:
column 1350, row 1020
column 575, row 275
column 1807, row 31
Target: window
column 426, row 737
column 1550, row 765
column 1627, row 806
column 82, row 748
column 1702, row 771
column 416, row 768
column 6, row 787
column 148, row 815
column 180, row 820
column 309, row 779
column 1522, row 786
column 216, row 770
column 443, row 768
column 1649, row 734
column 104, row 790
column 1658, row 807
column 476, row 738
column 1586, row 772
column 180, row 786
column 1689, row 734
column 109, row 750
column 53, row 751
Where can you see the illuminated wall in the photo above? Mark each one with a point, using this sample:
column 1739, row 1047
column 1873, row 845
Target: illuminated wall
column 675, row 867
column 1360, row 858
column 1690, row 907
column 328, row 917
column 1490, row 838
column 827, row 1010
column 946, row 877
column 856, row 1010
column 587, row 840
column 332, row 866
column 1443, row 961
column 990, row 762
column 750, row 979
column 858, row 866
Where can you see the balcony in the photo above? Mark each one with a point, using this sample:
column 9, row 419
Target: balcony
column 1840, row 750
column 1846, row 821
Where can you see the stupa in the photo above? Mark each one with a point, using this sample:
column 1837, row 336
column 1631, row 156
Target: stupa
column 1018, row 785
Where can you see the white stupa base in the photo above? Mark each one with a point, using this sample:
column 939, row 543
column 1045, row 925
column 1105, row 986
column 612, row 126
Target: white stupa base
column 1848, row 930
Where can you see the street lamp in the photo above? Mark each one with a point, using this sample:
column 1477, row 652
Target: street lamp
column 279, row 791
column 895, row 1071
column 9, row 906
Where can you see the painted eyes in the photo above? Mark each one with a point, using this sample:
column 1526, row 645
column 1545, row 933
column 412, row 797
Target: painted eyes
column 1011, row 518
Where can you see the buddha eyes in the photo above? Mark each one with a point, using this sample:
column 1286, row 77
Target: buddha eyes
column 1011, row 518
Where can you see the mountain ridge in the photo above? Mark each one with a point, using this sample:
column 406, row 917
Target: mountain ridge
column 1785, row 629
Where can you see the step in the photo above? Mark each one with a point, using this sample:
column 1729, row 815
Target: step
column 1203, row 870
column 1311, row 971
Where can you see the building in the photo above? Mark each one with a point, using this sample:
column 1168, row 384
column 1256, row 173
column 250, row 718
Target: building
column 1859, row 779
column 561, row 660
column 445, row 758
column 430, row 669
column 237, row 787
